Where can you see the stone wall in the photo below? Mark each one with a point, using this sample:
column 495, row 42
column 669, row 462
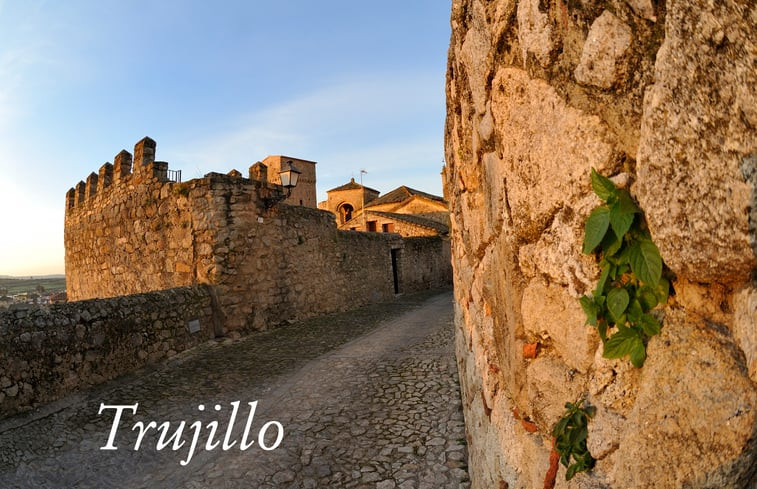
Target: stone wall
column 268, row 263
column 660, row 97
column 48, row 352
column 398, row 225
column 424, row 263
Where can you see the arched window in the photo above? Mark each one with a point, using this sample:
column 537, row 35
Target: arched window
column 345, row 212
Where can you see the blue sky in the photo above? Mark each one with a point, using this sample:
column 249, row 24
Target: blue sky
column 218, row 85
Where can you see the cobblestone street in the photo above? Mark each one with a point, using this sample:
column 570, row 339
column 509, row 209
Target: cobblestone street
column 366, row 399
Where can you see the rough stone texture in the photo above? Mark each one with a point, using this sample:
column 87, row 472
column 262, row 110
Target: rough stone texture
column 268, row 265
column 534, row 32
column 643, row 8
column 699, row 124
column 601, row 59
column 527, row 119
column 48, row 352
column 744, row 330
column 425, row 261
column 546, row 165
column 565, row 328
column 686, row 411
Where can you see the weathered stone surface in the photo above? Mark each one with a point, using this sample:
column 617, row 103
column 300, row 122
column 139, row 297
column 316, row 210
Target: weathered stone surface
column 643, row 8
column 548, row 148
column 745, row 326
column 61, row 348
column 699, row 123
column 557, row 254
column 534, row 32
column 552, row 315
column 550, row 385
column 601, row 60
column 517, row 178
column 696, row 405
column 475, row 53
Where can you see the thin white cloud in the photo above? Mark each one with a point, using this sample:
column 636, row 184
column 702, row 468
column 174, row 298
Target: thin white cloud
column 366, row 123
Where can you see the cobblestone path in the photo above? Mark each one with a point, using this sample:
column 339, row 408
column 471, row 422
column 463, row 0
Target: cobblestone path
column 368, row 399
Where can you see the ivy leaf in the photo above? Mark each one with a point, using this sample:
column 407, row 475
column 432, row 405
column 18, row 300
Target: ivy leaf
column 602, row 329
column 647, row 297
column 611, row 243
column 626, row 203
column 620, row 220
column 622, row 343
column 590, row 411
column 646, row 262
column 617, row 301
column 599, row 290
column 635, row 311
column 571, row 472
column 650, row 325
column 662, row 291
column 596, row 228
column 590, row 308
column 622, row 259
column 559, row 429
column 638, row 355
column 603, row 187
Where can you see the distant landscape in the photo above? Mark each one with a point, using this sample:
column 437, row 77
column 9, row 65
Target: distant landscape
column 22, row 285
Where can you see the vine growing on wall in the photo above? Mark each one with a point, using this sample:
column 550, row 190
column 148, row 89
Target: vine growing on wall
column 631, row 282
column 570, row 434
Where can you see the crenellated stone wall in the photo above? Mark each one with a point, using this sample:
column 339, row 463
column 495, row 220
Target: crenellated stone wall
column 660, row 97
column 50, row 351
column 268, row 263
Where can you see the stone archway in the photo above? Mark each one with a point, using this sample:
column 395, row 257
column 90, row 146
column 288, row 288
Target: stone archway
column 345, row 212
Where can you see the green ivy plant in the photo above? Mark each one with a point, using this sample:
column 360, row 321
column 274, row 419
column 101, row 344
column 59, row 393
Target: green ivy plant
column 570, row 434
column 631, row 282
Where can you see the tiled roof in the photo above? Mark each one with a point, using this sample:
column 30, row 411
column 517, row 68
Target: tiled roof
column 413, row 219
column 351, row 186
column 401, row 194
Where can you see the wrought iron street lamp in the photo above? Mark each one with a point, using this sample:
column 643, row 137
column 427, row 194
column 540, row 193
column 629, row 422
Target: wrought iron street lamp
column 290, row 175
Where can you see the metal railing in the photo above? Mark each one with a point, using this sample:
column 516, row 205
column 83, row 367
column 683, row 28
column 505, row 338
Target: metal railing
column 173, row 175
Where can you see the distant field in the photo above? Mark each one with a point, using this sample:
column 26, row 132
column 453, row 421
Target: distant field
column 21, row 285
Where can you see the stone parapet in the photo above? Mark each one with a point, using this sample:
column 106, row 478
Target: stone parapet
column 48, row 352
column 114, row 177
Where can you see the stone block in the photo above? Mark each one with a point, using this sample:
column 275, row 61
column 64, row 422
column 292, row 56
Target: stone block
column 550, row 150
column 699, row 126
column 551, row 314
column 694, row 410
column 535, row 32
column 602, row 60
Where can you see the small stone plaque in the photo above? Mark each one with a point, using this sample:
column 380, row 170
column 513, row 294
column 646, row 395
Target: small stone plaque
column 193, row 325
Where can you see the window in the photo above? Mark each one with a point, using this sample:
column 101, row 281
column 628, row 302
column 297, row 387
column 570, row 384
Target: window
column 372, row 226
column 387, row 227
column 345, row 212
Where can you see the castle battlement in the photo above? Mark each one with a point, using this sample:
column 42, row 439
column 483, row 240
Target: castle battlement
column 125, row 169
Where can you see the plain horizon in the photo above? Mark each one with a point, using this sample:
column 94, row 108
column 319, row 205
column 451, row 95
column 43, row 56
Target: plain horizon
column 350, row 86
